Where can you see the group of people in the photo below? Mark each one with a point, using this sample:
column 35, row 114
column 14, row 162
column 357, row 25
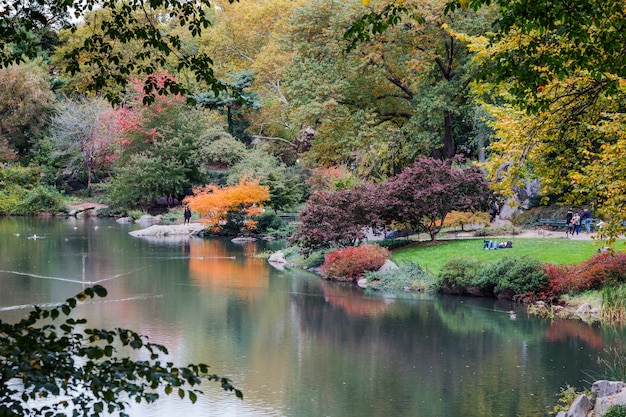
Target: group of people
column 575, row 220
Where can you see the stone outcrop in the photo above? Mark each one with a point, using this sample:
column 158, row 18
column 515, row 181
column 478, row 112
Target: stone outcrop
column 605, row 394
column 191, row 229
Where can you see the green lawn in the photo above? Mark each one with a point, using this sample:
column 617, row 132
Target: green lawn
column 558, row 251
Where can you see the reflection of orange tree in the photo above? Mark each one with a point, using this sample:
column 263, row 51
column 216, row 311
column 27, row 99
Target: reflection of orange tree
column 351, row 302
column 213, row 203
column 211, row 264
column 564, row 329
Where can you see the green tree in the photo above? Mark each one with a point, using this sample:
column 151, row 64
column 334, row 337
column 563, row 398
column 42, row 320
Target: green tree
column 27, row 100
column 87, row 370
column 233, row 102
column 159, row 150
column 553, row 79
column 392, row 97
column 128, row 23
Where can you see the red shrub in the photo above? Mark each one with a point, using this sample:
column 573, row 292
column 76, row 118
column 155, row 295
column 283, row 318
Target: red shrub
column 602, row 269
column 560, row 280
column 348, row 264
column 605, row 268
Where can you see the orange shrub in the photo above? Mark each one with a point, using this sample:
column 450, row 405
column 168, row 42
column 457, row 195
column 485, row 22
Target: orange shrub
column 348, row 264
column 213, row 203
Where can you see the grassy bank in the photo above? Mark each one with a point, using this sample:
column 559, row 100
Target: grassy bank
column 558, row 251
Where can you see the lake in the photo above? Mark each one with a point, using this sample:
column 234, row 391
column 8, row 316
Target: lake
column 297, row 345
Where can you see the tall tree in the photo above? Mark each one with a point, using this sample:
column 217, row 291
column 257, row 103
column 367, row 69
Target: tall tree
column 82, row 133
column 554, row 78
column 159, row 149
column 27, row 102
column 394, row 96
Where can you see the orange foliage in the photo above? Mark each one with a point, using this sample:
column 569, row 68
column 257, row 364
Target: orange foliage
column 213, row 203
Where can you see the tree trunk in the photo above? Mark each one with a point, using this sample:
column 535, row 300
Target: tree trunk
column 449, row 147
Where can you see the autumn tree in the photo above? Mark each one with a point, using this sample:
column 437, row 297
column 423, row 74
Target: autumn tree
column 253, row 36
column 393, row 97
column 238, row 203
column 553, row 79
column 423, row 195
column 82, row 133
column 131, row 23
column 339, row 218
column 158, row 149
column 53, row 365
column 27, row 100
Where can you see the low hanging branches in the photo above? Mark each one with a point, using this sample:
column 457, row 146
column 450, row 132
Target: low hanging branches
column 86, row 370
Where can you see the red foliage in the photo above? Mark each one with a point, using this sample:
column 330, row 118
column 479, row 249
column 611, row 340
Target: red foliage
column 602, row 269
column 338, row 218
column 348, row 264
column 425, row 193
column 605, row 268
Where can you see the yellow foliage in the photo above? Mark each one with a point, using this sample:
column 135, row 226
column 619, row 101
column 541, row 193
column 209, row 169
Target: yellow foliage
column 213, row 203
column 463, row 218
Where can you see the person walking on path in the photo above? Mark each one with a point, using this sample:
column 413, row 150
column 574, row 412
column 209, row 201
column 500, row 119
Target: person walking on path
column 586, row 219
column 576, row 224
column 570, row 225
column 187, row 214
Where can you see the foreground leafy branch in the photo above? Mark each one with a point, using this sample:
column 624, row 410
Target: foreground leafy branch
column 49, row 369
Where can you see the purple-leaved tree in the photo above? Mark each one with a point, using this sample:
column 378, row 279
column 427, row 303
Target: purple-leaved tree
column 426, row 192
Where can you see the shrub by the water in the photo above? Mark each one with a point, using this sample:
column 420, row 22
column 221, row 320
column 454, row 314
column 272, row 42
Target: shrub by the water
column 459, row 272
column 508, row 275
column 408, row 277
column 41, row 199
column 348, row 264
column 603, row 269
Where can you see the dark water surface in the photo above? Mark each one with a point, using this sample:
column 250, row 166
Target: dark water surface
column 297, row 346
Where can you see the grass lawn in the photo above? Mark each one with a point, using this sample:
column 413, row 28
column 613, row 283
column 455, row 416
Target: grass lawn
column 433, row 256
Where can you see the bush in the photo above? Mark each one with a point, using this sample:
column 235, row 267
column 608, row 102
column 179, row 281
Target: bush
column 41, row 199
column 408, row 277
column 603, row 269
column 616, row 411
column 561, row 280
column 458, row 272
column 348, row 264
column 392, row 244
column 515, row 275
column 505, row 229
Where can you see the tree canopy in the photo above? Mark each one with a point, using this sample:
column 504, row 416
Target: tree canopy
column 135, row 22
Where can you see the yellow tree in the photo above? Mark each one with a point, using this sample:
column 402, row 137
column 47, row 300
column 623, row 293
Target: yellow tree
column 237, row 203
column 569, row 133
column 247, row 36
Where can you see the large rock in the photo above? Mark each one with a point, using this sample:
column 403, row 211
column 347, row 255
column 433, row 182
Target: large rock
column 277, row 258
column 190, row 229
column 388, row 266
column 607, row 394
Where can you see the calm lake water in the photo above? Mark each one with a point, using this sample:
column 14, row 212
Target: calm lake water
column 296, row 345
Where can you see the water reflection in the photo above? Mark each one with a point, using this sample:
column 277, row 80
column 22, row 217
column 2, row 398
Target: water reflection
column 296, row 345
